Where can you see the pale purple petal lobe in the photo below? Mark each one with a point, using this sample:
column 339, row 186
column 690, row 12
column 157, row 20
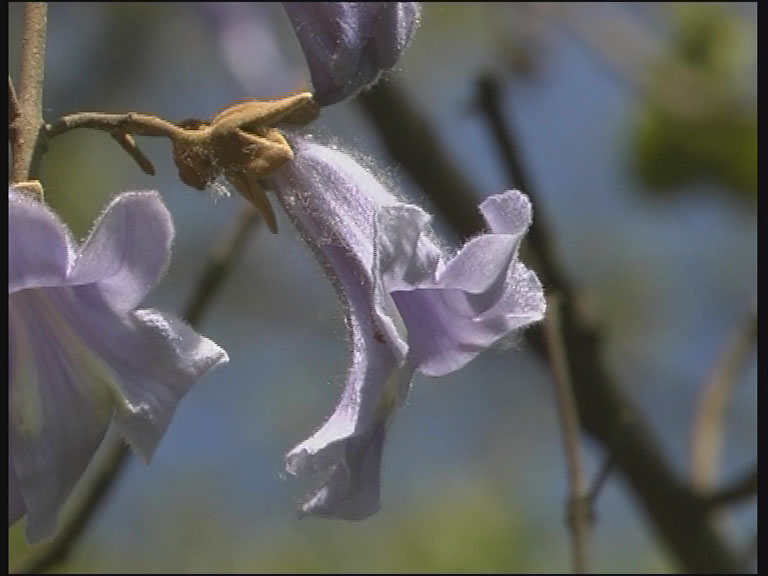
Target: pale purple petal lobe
column 452, row 309
column 41, row 249
column 174, row 357
column 352, row 489
column 127, row 250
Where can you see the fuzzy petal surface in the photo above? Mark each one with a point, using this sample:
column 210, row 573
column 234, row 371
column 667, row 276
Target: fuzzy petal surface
column 348, row 44
column 455, row 308
column 40, row 247
column 79, row 355
column 321, row 193
column 408, row 306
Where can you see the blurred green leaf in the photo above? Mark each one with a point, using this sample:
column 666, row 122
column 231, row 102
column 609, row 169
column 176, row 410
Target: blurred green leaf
column 699, row 122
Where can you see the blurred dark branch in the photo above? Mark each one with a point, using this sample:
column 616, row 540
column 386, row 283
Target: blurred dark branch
column 549, row 269
column 713, row 401
column 47, row 555
column 597, row 484
column 219, row 264
column 578, row 498
column 741, row 489
column 672, row 507
column 411, row 141
column 216, row 270
column 26, row 132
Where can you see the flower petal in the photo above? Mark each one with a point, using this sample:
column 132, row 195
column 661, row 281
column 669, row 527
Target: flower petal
column 388, row 269
column 41, row 249
column 321, row 192
column 508, row 213
column 127, row 250
column 348, row 44
column 352, row 488
column 455, row 311
column 347, row 449
column 77, row 354
column 59, row 405
column 332, row 200
column 156, row 371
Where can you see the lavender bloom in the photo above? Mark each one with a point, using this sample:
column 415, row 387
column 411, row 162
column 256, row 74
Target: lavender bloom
column 407, row 307
column 348, row 44
column 80, row 355
column 321, row 192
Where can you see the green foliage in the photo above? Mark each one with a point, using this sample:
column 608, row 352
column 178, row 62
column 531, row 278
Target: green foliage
column 462, row 531
column 461, row 528
column 672, row 150
column 700, row 120
column 84, row 166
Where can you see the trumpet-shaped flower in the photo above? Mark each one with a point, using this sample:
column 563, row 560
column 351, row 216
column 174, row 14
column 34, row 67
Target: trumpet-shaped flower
column 80, row 355
column 408, row 306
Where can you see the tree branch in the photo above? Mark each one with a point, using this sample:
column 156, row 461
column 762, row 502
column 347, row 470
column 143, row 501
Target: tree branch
column 737, row 491
column 578, row 498
column 713, row 401
column 26, row 129
column 219, row 264
column 132, row 122
column 597, row 484
column 128, row 144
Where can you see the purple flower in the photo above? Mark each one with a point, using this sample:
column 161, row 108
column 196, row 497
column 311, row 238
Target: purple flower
column 80, row 355
column 348, row 44
column 407, row 307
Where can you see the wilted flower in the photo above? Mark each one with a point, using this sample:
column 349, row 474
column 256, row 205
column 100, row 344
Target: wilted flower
column 80, row 355
column 407, row 307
